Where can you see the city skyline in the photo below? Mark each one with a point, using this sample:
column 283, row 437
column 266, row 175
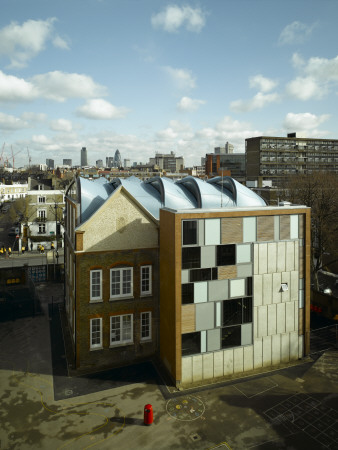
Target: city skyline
column 156, row 76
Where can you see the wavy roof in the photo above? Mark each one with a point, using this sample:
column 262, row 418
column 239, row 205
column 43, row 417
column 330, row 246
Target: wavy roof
column 156, row 193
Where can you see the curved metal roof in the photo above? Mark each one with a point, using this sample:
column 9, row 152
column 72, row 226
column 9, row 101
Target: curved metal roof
column 156, row 193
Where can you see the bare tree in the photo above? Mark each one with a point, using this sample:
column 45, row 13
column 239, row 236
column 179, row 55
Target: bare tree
column 318, row 190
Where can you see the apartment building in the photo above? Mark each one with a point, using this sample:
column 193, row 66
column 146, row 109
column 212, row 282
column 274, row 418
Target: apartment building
column 275, row 158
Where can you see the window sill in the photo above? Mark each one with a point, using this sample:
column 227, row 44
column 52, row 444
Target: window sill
column 146, row 294
column 99, row 300
column 121, row 344
column 127, row 297
column 95, row 349
column 145, row 340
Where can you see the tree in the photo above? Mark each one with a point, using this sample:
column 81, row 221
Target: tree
column 318, row 190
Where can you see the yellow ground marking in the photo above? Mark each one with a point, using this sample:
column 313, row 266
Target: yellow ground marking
column 219, row 445
column 71, row 405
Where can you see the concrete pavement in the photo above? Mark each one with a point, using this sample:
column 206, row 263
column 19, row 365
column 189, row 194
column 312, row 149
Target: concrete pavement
column 294, row 408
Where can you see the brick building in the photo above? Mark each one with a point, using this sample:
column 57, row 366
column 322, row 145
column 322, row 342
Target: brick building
column 202, row 275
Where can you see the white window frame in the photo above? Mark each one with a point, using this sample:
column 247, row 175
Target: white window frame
column 42, row 228
column 122, row 340
column 148, row 337
column 121, row 270
column 92, row 297
column 142, row 278
column 99, row 344
column 42, row 213
column 42, row 199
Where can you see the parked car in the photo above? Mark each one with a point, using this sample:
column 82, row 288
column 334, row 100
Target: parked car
column 14, row 231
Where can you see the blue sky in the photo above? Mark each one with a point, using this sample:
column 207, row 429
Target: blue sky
column 146, row 76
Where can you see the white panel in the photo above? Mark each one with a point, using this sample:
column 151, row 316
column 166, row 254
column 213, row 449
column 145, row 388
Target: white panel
column 203, row 341
column 300, row 346
column 185, row 276
column 275, row 349
column 276, row 284
column 255, row 328
column 248, row 357
column 208, row 256
column 267, row 289
column 237, row 288
column 297, row 255
column 276, row 228
column 262, row 319
column 255, row 258
column 285, row 348
column 289, row 317
column 294, row 286
column 208, row 366
column 296, row 316
column 272, row 319
column 218, row 364
column 280, row 318
column 187, row 369
column 281, row 256
column 263, row 258
column 266, row 351
column 201, row 292
column 212, row 231
column 272, row 257
column 286, row 278
column 290, row 256
column 218, row 313
column 301, row 299
column 294, row 346
column 238, row 360
column 258, row 289
column 294, row 226
column 243, row 253
column 228, row 358
column 249, row 229
column 197, row 368
column 258, row 353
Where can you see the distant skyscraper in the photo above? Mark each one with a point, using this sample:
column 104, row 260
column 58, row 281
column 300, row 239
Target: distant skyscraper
column 109, row 161
column 117, row 159
column 67, row 162
column 99, row 163
column 84, row 161
column 50, row 163
column 126, row 163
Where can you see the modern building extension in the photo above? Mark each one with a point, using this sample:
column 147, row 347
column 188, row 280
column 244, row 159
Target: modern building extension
column 275, row 158
column 203, row 276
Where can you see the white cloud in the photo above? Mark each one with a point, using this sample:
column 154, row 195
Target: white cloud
column 257, row 102
column 175, row 131
column 58, row 42
column 305, row 88
column 15, row 89
column 263, row 84
column 296, row 33
column 60, row 86
column 304, row 121
column 175, row 17
column 8, row 122
column 182, row 78
column 57, row 86
column 322, row 69
column 189, row 104
column 22, row 42
column 61, row 125
column 34, row 117
column 99, row 109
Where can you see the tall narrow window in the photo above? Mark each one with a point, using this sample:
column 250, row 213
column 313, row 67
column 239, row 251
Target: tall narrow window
column 146, row 280
column 189, row 231
column 42, row 228
column 96, row 333
column 96, row 285
column 121, row 282
column 121, row 329
column 145, row 326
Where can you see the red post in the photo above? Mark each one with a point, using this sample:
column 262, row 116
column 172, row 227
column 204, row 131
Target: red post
column 148, row 415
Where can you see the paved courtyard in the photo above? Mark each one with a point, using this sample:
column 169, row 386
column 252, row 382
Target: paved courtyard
column 43, row 407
